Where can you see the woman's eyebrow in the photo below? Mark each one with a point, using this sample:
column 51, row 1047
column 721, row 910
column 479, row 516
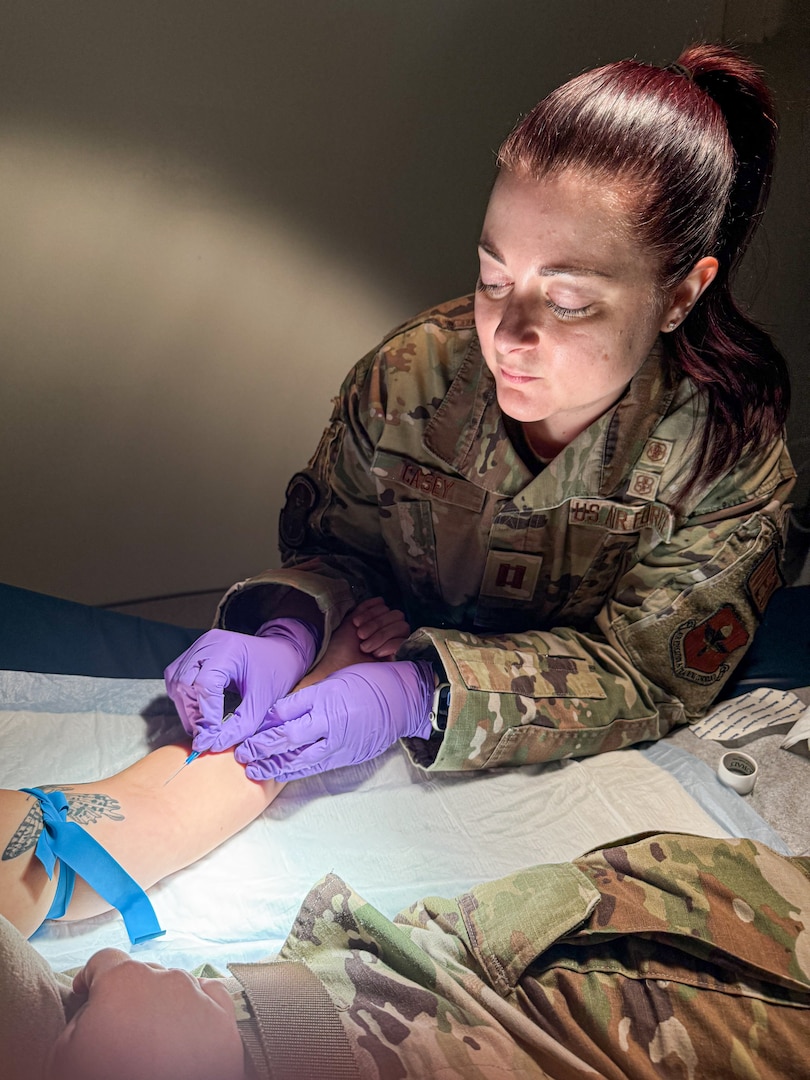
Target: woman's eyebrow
column 574, row 270
column 493, row 253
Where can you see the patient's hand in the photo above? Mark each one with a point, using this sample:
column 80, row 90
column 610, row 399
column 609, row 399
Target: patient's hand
column 371, row 632
column 138, row 1020
column 380, row 629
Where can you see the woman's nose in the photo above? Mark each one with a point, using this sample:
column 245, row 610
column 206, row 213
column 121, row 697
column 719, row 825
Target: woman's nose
column 518, row 328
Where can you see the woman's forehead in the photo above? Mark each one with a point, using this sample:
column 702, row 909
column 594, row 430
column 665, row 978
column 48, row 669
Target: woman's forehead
column 566, row 220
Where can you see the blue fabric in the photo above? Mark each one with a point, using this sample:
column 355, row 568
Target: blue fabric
column 80, row 853
column 60, row 637
column 725, row 806
column 43, row 633
column 64, row 885
column 780, row 652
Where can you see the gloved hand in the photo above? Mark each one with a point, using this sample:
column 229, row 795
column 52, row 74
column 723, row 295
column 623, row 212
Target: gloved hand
column 261, row 669
column 351, row 716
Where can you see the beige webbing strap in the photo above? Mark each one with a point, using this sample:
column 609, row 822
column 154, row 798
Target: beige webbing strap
column 300, row 1030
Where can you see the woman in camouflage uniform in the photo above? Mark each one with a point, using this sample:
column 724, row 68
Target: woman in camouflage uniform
column 573, row 483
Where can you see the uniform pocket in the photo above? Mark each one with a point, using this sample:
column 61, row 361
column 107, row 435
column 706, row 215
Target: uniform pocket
column 525, row 672
column 414, row 549
column 429, row 522
column 695, row 628
column 512, row 921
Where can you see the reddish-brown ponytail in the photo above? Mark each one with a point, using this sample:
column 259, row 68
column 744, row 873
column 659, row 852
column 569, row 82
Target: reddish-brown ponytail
column 692, row 148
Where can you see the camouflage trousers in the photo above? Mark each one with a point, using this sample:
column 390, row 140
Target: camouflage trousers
column 671, row 956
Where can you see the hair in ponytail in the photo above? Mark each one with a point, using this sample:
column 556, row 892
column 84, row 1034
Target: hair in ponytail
column 691, row 149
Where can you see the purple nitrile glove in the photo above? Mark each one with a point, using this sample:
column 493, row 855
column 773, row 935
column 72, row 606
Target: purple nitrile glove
column 353, row 715
column 261, row 669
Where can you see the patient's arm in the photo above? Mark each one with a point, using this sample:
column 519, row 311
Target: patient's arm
column 150, row 827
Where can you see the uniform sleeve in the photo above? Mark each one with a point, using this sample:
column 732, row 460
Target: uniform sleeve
column 329, row 534
column 671, row 955
column 670, row 634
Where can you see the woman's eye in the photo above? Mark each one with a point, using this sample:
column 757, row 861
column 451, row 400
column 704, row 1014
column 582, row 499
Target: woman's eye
column 491, row 289
column 568, row 313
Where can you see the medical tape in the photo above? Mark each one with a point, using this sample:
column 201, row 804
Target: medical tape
column 738, row 771
column 79, row 853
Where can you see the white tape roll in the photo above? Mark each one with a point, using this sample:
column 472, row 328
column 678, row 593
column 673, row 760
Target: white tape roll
column 738, row 771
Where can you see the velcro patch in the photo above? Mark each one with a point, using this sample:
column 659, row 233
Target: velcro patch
column 656, row 453
column 511, row 575
column 700, row 650
column 524, row 672
column 764, row 580
column 425, row 482
column 644, row 485
column 619, row 518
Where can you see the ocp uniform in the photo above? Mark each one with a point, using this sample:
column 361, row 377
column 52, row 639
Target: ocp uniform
column 671, row 955
column 573, row 611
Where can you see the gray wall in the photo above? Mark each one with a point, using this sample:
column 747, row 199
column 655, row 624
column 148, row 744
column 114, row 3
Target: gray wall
column 210, row 208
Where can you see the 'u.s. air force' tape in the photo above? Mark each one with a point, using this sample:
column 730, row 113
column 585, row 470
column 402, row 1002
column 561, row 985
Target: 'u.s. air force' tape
column 738, row 771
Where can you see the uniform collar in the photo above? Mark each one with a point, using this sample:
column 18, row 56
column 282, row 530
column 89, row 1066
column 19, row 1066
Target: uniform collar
column 633, row 419
column 467, row 432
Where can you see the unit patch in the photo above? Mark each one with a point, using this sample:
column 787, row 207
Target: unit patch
column 700, row 650
column 764, row 580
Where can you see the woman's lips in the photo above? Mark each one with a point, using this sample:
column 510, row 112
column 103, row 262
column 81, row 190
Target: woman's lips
column 516, row 379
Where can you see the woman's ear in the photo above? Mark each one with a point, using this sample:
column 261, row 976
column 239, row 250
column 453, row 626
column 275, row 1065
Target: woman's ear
column 686, row 293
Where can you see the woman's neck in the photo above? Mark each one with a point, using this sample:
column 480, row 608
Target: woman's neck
column 542, row 445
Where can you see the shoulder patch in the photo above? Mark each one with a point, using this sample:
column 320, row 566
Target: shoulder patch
column 700, row 650
column 302, row 498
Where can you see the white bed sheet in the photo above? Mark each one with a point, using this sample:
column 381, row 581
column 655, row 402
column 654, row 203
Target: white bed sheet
column 394, row 833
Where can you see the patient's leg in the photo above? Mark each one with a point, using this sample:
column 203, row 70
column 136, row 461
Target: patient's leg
column 150, row 827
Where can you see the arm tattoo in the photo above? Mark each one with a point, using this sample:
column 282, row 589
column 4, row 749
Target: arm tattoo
column 85, row 808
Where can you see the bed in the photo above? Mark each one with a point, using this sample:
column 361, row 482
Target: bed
column 391, row 831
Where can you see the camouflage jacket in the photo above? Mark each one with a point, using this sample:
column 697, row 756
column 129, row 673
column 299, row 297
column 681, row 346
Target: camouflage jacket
column 673, row 956
column 573, row 611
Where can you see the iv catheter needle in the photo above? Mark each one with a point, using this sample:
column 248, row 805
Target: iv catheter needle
column 193, row 755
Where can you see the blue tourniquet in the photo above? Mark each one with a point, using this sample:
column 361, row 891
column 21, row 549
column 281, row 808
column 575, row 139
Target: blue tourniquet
column 80, row 853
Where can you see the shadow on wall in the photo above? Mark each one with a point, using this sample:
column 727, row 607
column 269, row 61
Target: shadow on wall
column 169, row 351
column 371, row 124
